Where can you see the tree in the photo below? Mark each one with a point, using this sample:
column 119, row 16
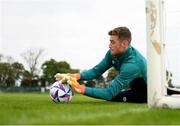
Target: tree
column 27, row 80
column 100, row 82
column 10, row 73
column 18, row 70
column 6, row 78
column 7, row 59
column 51, row 67
column 32, row 58
column 112, row 73
column 1, row 57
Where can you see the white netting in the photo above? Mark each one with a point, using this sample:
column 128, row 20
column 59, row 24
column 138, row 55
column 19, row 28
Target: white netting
column 172, row 39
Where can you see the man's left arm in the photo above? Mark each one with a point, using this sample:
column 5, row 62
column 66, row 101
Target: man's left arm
column 121, row 81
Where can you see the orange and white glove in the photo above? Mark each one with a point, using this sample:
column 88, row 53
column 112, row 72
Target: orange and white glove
column 76, row 86
column 62, row 77
column 75, row 75
column 65, row 77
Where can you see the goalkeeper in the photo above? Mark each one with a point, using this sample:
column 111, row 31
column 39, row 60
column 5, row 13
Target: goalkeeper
column 130, row 85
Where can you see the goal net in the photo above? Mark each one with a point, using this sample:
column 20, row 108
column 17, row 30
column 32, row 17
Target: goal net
column 163, row 53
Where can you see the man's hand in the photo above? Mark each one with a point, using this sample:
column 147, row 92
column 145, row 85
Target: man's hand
column 76, row 86
column 61, row 77
column 75, row 75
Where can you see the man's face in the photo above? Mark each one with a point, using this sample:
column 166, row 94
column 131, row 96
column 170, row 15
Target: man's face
column 116, row 45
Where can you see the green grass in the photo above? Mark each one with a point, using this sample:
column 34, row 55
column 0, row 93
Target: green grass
column 34, row 108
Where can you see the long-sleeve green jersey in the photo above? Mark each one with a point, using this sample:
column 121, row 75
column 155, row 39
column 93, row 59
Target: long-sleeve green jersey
column 131, row 64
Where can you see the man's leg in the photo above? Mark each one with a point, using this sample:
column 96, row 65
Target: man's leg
column 137, row 93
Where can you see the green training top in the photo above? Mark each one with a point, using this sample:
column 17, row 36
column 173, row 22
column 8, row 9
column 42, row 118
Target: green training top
column 131, row 64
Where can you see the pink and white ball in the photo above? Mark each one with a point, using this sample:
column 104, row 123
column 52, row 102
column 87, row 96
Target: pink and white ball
column 60, row 92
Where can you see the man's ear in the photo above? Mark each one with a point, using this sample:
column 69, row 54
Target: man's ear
column 125, row 43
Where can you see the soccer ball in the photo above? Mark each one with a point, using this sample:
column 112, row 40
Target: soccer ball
column 60, row 92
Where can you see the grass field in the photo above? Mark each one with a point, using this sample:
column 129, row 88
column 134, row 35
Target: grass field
column 34, row 108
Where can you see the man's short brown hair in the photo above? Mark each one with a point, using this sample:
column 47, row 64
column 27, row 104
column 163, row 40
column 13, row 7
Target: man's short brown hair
column 122, row 32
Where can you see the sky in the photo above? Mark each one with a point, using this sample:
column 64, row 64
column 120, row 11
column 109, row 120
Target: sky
column 72, row 30
column 75, row 31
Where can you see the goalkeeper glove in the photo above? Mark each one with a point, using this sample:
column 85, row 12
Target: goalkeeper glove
column 65, row 77
column 61, row 77
column 76, row 75
column 76, row 86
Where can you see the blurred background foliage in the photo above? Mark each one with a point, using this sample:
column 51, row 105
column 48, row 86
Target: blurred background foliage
column 13, row 74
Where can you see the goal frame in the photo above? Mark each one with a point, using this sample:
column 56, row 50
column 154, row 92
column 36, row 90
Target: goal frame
column 156, row 71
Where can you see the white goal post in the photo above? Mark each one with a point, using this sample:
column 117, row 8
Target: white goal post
column 156, row 71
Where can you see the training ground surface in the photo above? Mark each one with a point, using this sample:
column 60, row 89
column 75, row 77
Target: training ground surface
column 34, row 108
